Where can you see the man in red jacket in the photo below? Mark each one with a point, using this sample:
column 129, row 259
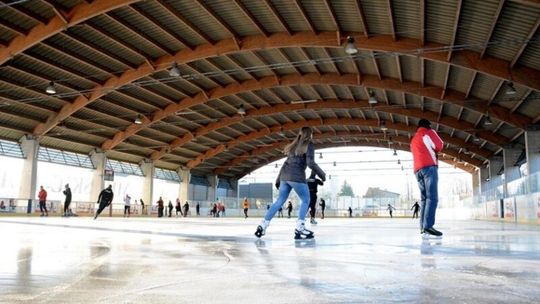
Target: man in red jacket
column 42, row 195
column 424, row 147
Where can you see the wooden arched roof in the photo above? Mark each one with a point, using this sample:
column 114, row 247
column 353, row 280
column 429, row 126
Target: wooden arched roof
column 453, row 62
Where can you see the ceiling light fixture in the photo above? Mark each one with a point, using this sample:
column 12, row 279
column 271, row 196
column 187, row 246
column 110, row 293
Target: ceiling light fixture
column 383, row 126
column 334, row 163
column 138, row 120
column 174, row 71
column 488, row 121
column 372, row 98
column 395, row 153
column 511, row 90
column 51, row 89
column 320, row 155
column 350, row 48
column 399, row 162
column 241, row 110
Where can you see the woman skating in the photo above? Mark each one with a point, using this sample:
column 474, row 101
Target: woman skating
column 300, row 154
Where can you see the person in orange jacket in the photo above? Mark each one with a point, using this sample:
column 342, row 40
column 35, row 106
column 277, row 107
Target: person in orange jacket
column 42, row 195
column 245, row 204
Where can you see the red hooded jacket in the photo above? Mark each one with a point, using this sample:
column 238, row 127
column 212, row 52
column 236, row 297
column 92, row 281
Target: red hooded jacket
column 424, row 146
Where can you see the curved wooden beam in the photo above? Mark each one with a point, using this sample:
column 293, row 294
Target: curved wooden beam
column 466, row 59
column 57, row 24
column 293, row 126
column 334, row 104
column 280, row 144
column 465, row 167
column 452, row 97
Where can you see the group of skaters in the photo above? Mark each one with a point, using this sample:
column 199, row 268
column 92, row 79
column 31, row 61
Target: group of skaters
column 425, row 145
column 218, row 209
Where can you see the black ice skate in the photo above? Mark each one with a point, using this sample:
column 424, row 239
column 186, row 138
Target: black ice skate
column 260, row 231
column 303, row 234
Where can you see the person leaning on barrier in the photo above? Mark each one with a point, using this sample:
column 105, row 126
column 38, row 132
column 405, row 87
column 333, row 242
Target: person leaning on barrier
column 104, row 199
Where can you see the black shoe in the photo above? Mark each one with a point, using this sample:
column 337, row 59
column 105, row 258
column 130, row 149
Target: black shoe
column 433, row 231
column 260, row 231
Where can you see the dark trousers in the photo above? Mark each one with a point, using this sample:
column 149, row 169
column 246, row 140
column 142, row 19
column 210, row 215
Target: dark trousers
column 66, row 207
column 289, row 213
column 127, row 210
column 415, row 214
column 391, row 214
column 43, row 206
column 322, row 212
column 170, row 211
column 185, row 212
column 245, row 212
column 160, row 211
column 312, row 204
column 102, row 206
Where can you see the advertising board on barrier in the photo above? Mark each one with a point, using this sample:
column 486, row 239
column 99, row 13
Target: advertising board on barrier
column 509, row 208
column 492, row 208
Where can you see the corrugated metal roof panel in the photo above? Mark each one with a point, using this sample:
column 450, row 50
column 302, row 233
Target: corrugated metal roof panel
column 201, row 19
column 484, row 86
column 262, row 13
column 140, row 24
column 31, row 90
column 345, row 64
column 407, row 18
column 296, row 55
column 410, row 68
column 124, row 156
column 459, row 79
column 531, row 55
column 377, row 16
column 319, row 15
column 271, row 57
column 440, row 19
column 475, row 22
column 97, row 117
column 388, row 66
column 435, row 72
column 249, row 59
column 25, row 110
column 290, row 13
column 469, row 116
column 12, row 16
column 347, row 15
column 234, row 17
column 39, row 8
column 80, row 75
column 6, row 35
column 170, row 22
column 41, row 70
column 10, row 134
column 86, row 35
column 128, row 37
column 366, row 63
column 65, row 144
column 530, row 106
column 17, row 122
column 515, row 23
column 323, row 65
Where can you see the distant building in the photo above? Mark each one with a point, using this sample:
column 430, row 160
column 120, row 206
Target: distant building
column 380, row 198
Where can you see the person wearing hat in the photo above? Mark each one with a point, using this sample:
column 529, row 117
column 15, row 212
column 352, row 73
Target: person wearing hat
column 67, row 201
column 424, row 147
column 104, row 199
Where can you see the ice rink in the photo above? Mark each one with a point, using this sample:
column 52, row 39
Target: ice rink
column 218, row 260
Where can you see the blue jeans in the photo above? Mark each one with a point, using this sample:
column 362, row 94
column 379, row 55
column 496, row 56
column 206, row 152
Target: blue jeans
column 284, row 189
column 428, row 179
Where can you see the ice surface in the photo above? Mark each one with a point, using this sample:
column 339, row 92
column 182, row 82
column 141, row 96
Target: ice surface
column 218, row 260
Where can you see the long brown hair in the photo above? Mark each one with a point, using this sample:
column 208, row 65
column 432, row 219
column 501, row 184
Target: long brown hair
column 300, row 144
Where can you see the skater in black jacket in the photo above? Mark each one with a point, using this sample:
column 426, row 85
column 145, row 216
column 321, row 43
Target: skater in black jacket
column 416, row 207
column 313, row 183
column 104, row 199
column 67, row 193
column 323, row 206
